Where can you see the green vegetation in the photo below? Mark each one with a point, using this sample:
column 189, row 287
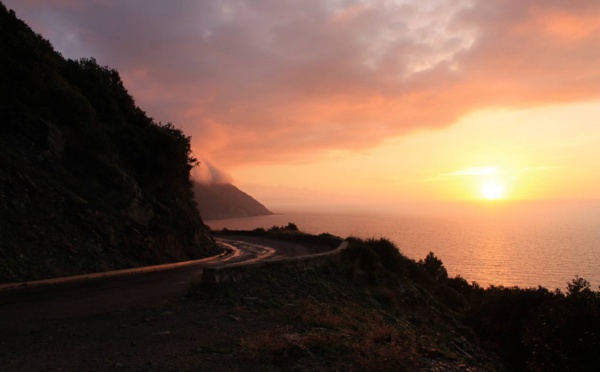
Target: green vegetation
column 89, row 181
column 375, row 308
column 290, row 228
column 347, row 314
column 530, row 328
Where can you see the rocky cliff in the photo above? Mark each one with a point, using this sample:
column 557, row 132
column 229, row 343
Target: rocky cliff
column 88, row 182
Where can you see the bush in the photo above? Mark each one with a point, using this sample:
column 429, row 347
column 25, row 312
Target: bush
column 565, row 335
column 390, row 257
column 290, row 227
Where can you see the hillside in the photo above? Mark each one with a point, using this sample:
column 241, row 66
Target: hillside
column 346, row 314
column 366, row 308
column 88, row 181
column 220, row 201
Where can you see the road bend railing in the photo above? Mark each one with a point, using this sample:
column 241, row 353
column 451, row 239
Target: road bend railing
column 237, row 272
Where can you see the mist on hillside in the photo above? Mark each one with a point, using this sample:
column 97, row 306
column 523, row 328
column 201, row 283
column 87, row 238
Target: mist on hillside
column 208, row 173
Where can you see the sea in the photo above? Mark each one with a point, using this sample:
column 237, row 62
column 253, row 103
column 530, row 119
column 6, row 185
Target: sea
column 525, row 244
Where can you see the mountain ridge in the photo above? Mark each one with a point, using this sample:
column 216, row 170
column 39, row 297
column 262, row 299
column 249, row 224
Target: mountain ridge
column 224, row 200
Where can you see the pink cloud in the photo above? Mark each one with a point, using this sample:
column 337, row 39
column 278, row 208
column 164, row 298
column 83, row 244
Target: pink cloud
column 207, row 172
column 277, row 80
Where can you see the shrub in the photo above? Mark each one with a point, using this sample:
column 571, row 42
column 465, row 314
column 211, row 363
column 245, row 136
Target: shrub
column 290, row 227
column 565, row 335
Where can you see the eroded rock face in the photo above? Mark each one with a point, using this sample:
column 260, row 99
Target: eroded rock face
column 55, row 141
column 139, row 210
column 87, row 181
column 54, row 223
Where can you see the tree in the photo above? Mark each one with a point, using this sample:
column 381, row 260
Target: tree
column 434, row 266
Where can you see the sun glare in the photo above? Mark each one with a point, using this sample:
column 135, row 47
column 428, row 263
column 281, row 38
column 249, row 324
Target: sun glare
column 492, row 190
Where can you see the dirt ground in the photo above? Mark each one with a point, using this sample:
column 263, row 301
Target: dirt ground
column 182, row 335
column 281, row 319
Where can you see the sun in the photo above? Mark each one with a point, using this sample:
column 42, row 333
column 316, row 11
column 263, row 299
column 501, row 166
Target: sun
column 492, row 190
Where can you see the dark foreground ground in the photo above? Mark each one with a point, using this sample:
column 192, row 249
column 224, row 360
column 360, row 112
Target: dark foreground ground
column 281, row 319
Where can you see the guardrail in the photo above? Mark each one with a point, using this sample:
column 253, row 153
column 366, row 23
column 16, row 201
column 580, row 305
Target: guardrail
column 237, row 272
column 221, row 273
column 325, row 240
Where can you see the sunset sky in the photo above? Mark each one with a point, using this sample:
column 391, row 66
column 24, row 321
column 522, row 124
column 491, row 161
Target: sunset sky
column 349, row 101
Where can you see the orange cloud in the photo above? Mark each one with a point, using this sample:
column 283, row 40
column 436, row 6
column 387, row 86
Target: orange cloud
column 564, row 25
column 280, row 80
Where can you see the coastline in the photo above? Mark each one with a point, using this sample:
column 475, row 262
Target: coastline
column 494, row 248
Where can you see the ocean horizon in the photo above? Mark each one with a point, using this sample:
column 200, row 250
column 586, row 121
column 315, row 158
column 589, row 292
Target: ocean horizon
column 523, row 244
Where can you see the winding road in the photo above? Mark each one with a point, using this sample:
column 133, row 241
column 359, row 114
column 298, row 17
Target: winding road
column 118, row 290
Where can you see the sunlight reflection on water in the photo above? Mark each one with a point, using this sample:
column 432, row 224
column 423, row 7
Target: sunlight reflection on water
column 526, row 245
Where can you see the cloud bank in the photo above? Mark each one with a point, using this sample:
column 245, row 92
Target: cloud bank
column 285, row 80
column 209, row 173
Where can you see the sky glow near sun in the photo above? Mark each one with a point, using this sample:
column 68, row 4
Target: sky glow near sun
column 492, row 190
column 359, row 101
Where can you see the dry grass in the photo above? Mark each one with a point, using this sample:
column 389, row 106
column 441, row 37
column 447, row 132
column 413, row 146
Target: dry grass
column 349, row 337
column 320, row 319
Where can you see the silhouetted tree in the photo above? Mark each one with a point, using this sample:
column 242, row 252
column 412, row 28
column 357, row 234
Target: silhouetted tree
column 434, row 266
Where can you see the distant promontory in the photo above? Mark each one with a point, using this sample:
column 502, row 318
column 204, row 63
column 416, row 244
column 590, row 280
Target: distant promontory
column 223, row 200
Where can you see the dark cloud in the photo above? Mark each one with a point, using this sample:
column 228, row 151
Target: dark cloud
column 274, row 80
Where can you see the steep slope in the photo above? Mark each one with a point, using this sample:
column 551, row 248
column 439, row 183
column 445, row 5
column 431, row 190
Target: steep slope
column 219, row 201
column 88, row 181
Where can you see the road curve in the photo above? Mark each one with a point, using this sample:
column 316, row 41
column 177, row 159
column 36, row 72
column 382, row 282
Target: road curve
column 104, row 292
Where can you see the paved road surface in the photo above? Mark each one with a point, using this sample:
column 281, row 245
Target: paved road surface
column 98, row 293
